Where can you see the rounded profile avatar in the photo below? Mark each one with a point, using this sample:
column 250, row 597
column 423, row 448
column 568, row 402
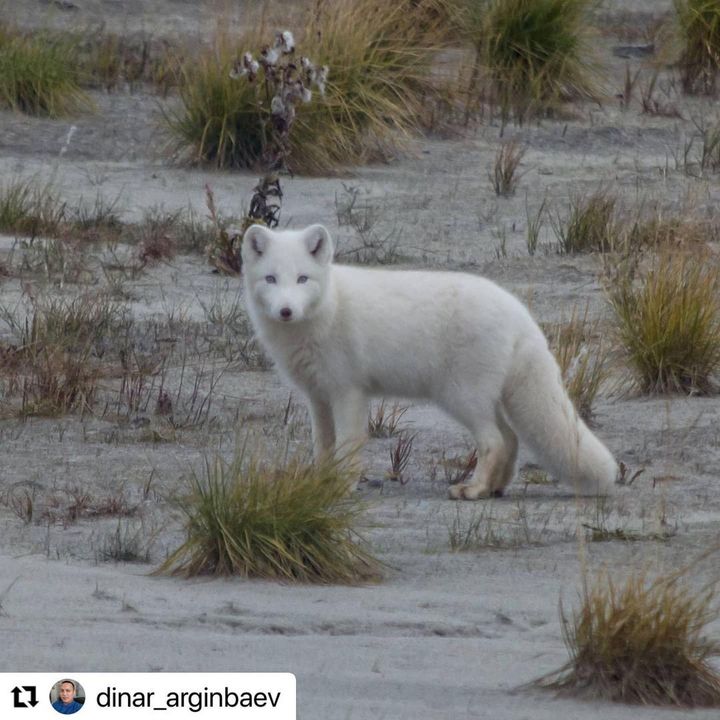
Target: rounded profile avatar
column 67, row 696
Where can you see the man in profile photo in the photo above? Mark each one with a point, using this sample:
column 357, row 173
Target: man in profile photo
column 66, row 704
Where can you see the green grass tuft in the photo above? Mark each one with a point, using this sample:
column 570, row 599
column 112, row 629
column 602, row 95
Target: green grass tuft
column 292, row 522
column 534, row 52
column 590, row 226
column 38, row 75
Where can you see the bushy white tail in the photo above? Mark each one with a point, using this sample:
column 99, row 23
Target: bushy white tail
column 543, row 415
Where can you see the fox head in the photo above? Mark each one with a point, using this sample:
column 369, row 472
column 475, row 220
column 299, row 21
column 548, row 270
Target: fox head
column 286, row 272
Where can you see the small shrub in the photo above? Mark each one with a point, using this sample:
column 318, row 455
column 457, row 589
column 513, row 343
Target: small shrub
column 641, row 641
column 38, row 76
column 534, row 52
column 292, row 522
column 590, row 225
column 505, row 175
column 699, row 26
column 668, row 324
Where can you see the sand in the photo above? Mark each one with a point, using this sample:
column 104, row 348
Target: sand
column 445, row 634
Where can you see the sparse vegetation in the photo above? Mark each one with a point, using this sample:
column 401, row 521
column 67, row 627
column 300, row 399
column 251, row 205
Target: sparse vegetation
column 293, row 522
column 505, row 175
column 400, row 457
column 641, row 641
column 459, row 469
column 590, row 225
column 488, row 527
column 384, row 423
column 126, row 543
column 699, row 27
column 27, row 208
column 668, row 324
column 534, row 226
column 53, row 367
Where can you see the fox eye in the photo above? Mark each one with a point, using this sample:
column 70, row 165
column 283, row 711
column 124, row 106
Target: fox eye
column 302, row 279
column 270, row 279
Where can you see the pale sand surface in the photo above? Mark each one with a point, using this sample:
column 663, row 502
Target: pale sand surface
column 444, row 635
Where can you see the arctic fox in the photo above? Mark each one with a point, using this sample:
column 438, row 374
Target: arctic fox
column 343, row 334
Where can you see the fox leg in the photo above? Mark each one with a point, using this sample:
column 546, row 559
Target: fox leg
column 502, row 478
column 350, row 414
column 497, row 450
column 323, row 428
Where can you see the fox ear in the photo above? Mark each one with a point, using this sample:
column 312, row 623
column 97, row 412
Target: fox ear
column 319, row 243
column 254, row 241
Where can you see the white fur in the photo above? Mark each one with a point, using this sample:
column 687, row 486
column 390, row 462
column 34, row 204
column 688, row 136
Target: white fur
column 456, row 339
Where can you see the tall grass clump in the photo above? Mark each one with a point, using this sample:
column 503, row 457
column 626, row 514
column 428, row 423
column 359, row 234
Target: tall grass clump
column 379, row 60
column 534, row 53
column 291, row 522
column 38, row 75
column 668, row 324
column 641, row 641
column 218, row 120
column 380, row 85
column 699, row 28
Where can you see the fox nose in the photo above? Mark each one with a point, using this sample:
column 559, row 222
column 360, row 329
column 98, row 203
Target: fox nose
column 286, row 313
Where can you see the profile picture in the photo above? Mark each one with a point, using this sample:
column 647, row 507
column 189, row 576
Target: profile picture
column 67, row 696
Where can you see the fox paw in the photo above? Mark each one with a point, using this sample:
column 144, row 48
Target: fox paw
column 465, row 491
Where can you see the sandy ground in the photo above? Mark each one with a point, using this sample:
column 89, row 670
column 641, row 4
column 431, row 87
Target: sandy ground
column 445, row 634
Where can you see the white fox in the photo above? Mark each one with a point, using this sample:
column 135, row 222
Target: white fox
column 343, row 334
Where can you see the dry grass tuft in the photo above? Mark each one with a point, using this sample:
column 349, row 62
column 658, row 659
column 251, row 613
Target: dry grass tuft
column 53, row 365
column 642, row 642
column 668, row 323
column 377, row 90
column 582, row 361
column 672, row 231
column 505, row 174
column 384, row 423
column 292, row 522
column 699, row 27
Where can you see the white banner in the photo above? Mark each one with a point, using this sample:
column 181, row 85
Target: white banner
column 140, row 696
